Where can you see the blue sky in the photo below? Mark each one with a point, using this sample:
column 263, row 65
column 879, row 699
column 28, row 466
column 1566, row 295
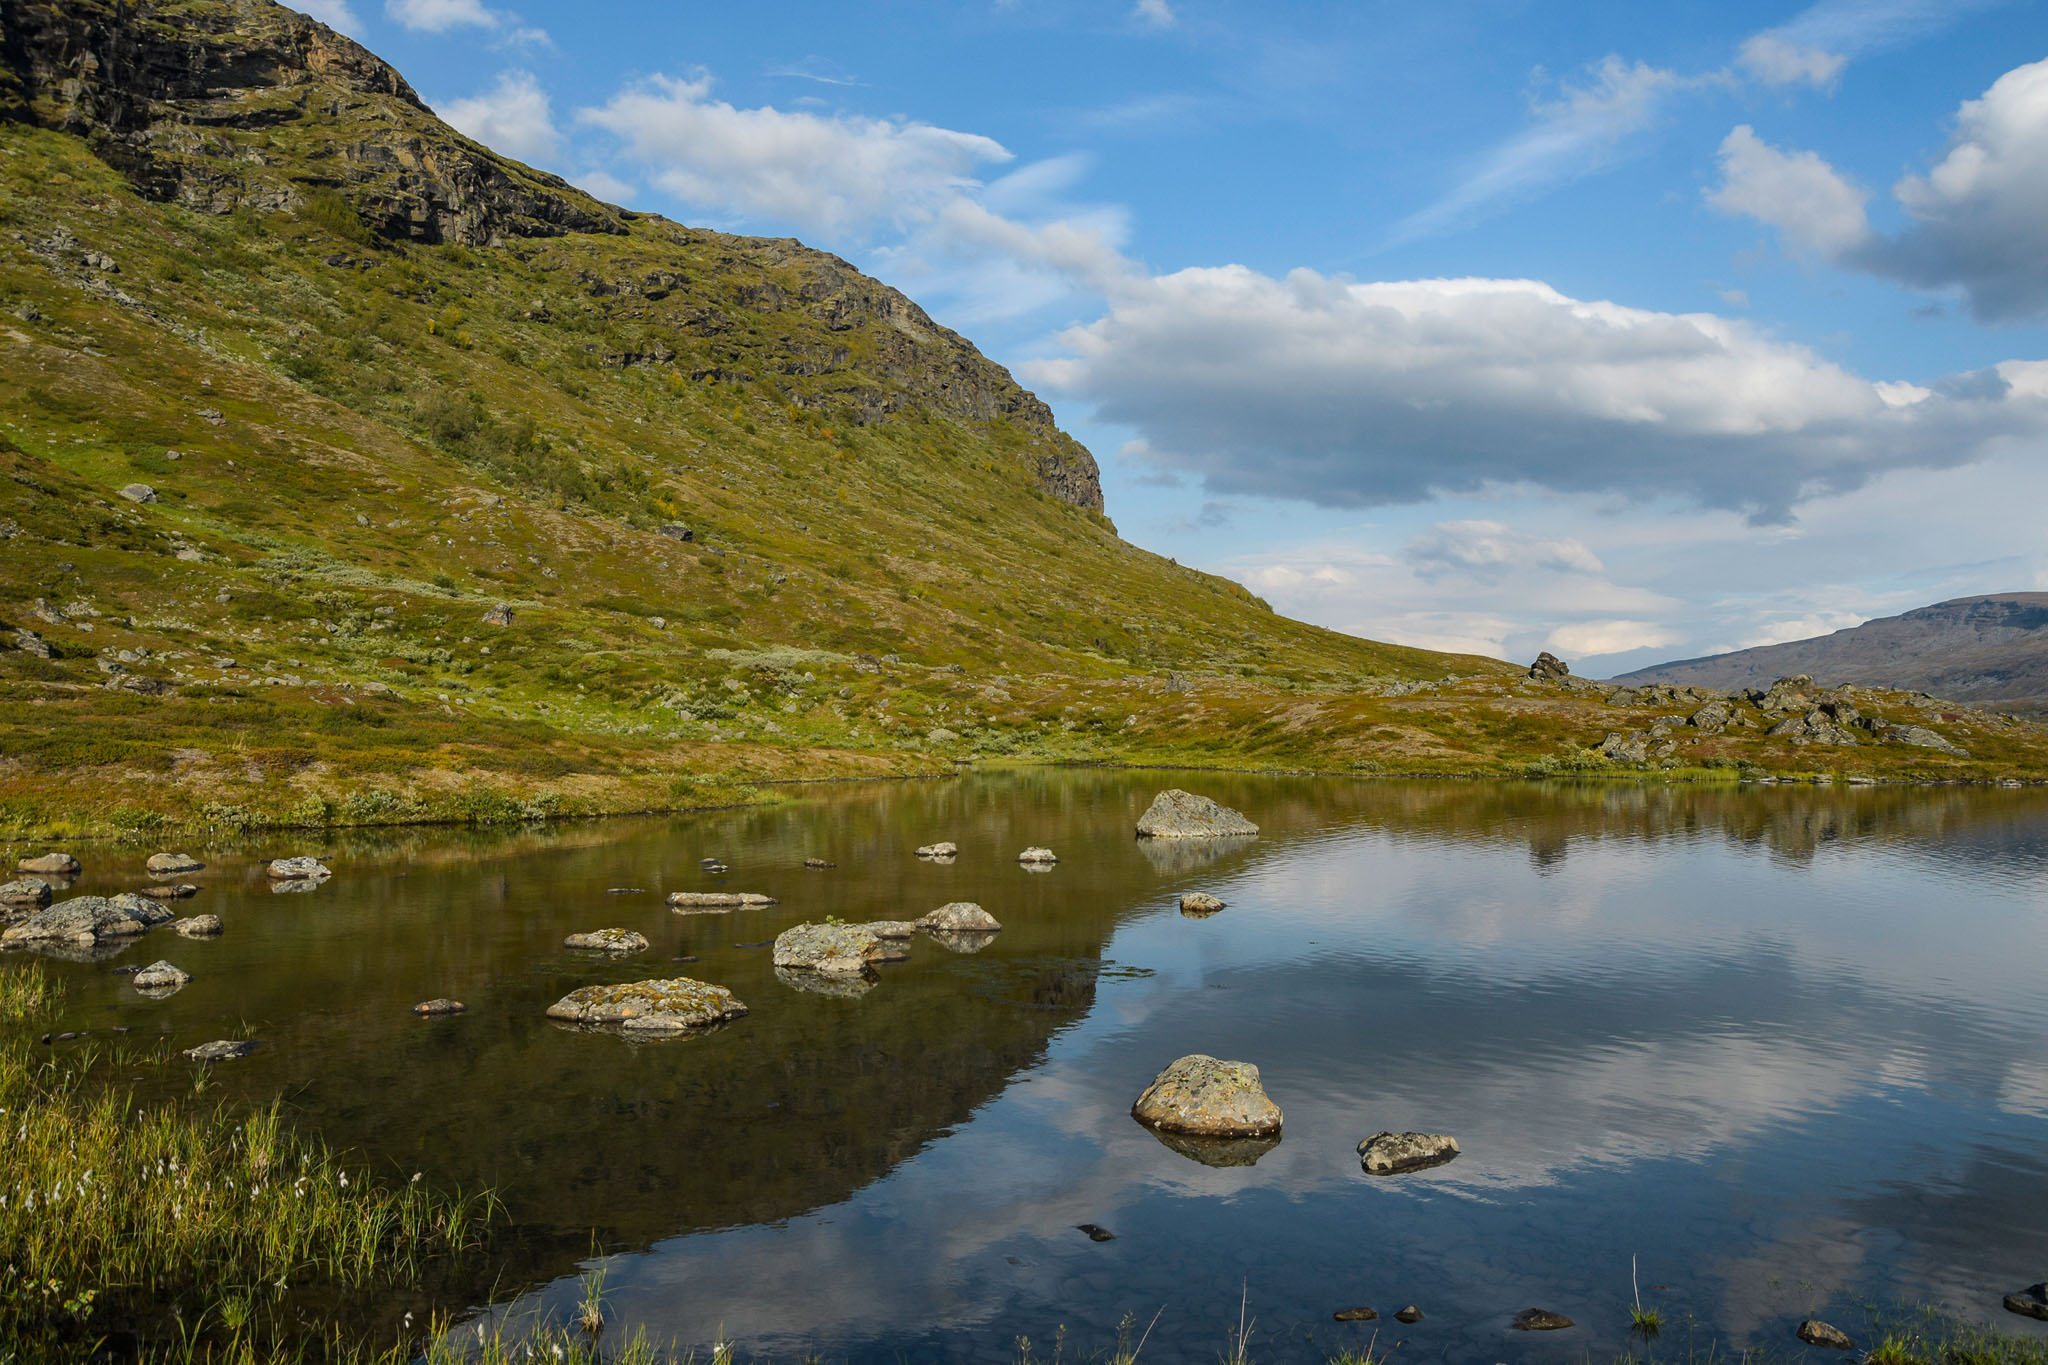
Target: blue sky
column 1629, row 332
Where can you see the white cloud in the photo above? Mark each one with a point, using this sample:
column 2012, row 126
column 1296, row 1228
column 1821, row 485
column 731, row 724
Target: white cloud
column 1608, row 637
column 1774, row 61
column 1571, row 136
column 334, row 13
column 514, row 117
column 1490, row 549
column 826, row 173
column 1155, row 12
column 606, row 186
column 438, row 16
column 1796, row 192
column 1356, row 394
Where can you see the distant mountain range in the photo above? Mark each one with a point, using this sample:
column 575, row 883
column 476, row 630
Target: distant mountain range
column 1991, row 651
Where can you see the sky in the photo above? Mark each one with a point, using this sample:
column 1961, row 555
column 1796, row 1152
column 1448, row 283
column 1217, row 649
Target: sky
column 1630, row 332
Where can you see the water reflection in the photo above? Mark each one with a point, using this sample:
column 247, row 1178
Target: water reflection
column 1781, row 1045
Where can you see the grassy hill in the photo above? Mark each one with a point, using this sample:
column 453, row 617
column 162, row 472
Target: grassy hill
column 734, row 511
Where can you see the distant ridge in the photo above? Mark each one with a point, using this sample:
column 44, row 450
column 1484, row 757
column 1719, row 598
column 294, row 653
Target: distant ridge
column 1990, row 651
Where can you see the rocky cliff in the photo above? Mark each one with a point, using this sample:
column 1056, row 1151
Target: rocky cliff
column 222, row 106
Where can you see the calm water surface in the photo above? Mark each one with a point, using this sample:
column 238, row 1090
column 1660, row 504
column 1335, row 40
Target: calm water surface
column 1783, row 1047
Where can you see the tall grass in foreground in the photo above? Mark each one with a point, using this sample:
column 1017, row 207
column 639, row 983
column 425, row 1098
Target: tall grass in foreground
column 190, row 1230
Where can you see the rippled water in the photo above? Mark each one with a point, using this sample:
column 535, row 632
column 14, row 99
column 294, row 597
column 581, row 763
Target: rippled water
column 1783, row 1047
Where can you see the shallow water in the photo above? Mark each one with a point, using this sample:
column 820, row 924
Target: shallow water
column 1783, row 1047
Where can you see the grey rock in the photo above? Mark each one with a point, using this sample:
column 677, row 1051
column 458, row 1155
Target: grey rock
column 1921, row 737
column 81, row 920
column 818, row 864
column 222, row 1050
column 298, row 870
column 1786, row 694
column 943, row 850
column 439, row 1006
column 2031, row 1302
column 1712, row 718
column 161, row 976
column 961, row 917
column 844, row 949
column 500, row 615
column 146, row 909
column 170, row 891
column 892, row 928
column 1201, row 1095
column 199, row 926
column 677, row 531
column 716, row 902
column 1410, row 1315
column 54, row 864
column 1392, row 1153
column 608, row 941
column 1175, row 814
column 1200, row 904
column 31, row 643
column 1042, row 856
column 1540, row 1320
column 1626, row 748
column 671, row 1006
column 170, row 864
column 1814, row 1332
column 32, row 892
column 138, row 492
column 1549, row 668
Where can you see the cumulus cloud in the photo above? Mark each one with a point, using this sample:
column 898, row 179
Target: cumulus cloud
column 438, row 16
column 334, row 13
column 514, row 117
column 826, row 173
column 1355, row 394
column 1594, row 638
column 1492, row 550
column 1977, row 221
column 1774, row 61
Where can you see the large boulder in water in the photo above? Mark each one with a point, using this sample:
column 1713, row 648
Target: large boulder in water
column 608, row 941
column 29, row 893
column 147, row 909
column 1209, row 1098
column 50, row 865
column 844, row 949
column 961, row 917
column 160, row 978
column 80, row 920
column 170, row 864
column 298, row 870
column 671, row 1006
column 1175, row 814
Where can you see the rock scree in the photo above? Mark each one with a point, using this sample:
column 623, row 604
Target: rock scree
column 1175, row 814
column 1203, row 1096
column 671, row 1006
column 1393, row 1153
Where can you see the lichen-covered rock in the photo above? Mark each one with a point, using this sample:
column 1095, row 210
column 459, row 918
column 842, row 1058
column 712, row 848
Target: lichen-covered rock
column 438, row 1006
column 171, row 864
column 1042, row 857
column 892, row 928
column 1814, row 1332
column 147, row 909
column 608, row 941
column 29, row 892
column 1392, row 1153
column 715, row 902
column 50, row 865
column 1199, row 904
column 961, row 917
column 671, row 1006
column 80, row 920
column 2031, row 1302
column 161, row 976
column 298, row 870
column 1175, row 814
column 1921, row 737
column 939, row 850
column 844, row 949
column 222, row 1050
column 1201, row 1095
column 199, row 926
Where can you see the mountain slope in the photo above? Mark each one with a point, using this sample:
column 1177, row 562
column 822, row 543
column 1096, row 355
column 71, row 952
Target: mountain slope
column 356, row 473
column 1990, row 651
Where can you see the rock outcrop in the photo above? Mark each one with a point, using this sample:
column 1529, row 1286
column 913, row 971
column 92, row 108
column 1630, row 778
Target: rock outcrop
column 1205, row 1097
column 1175, row 814
column 672, row 1006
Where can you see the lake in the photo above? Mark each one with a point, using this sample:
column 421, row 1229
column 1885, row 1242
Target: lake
column 1782, row 1048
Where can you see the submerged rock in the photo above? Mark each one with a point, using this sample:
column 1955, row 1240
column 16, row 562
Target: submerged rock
column 1409, row 1315
column 1540, row 1320
column 2031, row 1302
column 1392, row 1153
column 1096, row 1232
column 844, row 949
column 961, row 917
column 818, row 864
column 199, row 926
column 1356, row 1315
column 1206, row 1097
column 222, row 1050
column 81, row 920
column 1175, row 814
column 717, row 901
column 608, row 941
column 298, row 870
column 671, row 1006
column 1199, row 905
column 161, row 977
column 1814, row 1332
column 1036, row 856
column 30, row 892
column 941, row 850
column 440, row 1005
column 170, row 864
column 52, row 864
